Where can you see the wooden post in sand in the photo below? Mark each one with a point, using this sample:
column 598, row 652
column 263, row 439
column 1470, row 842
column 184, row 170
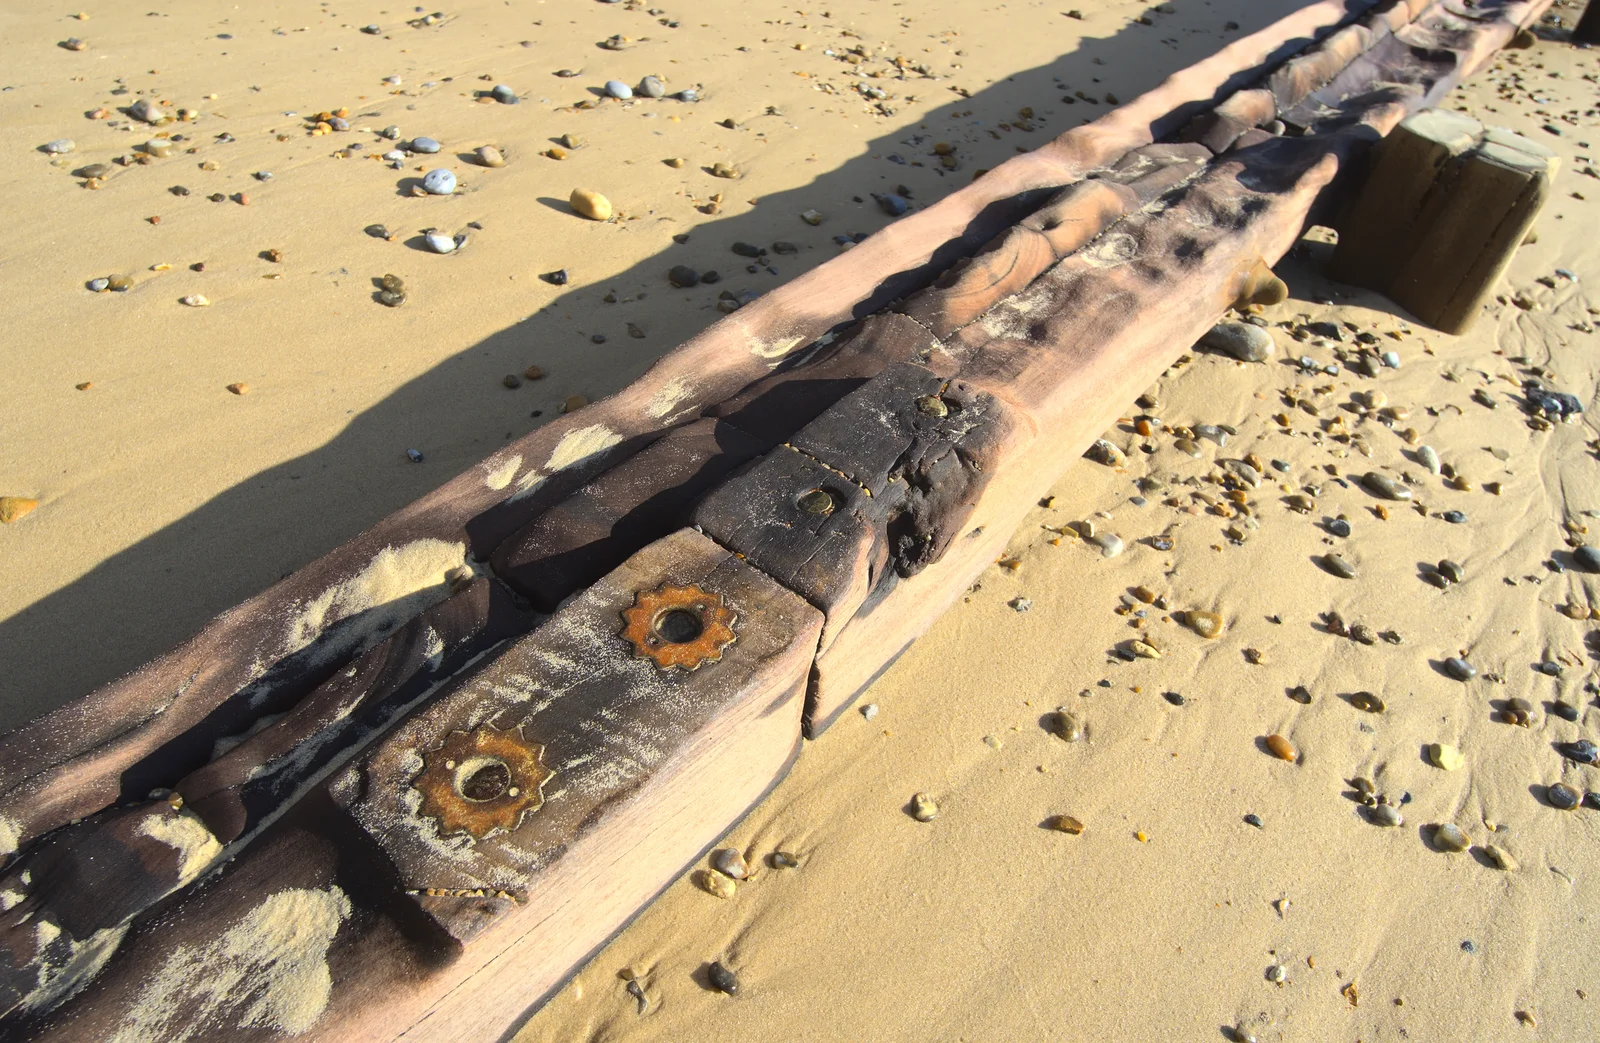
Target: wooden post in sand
column 1588, row 28
column 1446, row 205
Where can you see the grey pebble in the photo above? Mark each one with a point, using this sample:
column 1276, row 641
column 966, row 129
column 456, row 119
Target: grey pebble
column 869, row 711
column 682, row 276
column 438, row 242
column 1583, row 751
column 1450, row 838
column 99, row 285
column 689, row 95
column 1338, row 566
column 1563, row 796
column 146, row 111
column 391, row 132
column 1454, row 517
column 1452, row 571
column 504, row 95
column 1338, row 527
column 1386, row 815
column 1255, row 820
column 651, row 87
column 414, row 455
column 722, row 979
column 424, row 145
column 1587, row 557
column 1460, row 669
column 893, row 204
column 1384, row 486
column 439, row 182
column 59, row 147
column 619, row 90
column 1243, row 341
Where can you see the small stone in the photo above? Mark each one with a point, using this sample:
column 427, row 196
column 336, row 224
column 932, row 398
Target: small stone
column 146, row 111
column 1338, row 527
column 1144, row 650
column 72, row 43
column 1277, row 974
column 676, row 162
column 1563, row 796
column 869, row 711
column 1175, row 698
column 120, row 283
column 1587, row 557
column 14, row 508
column 555, row 278
column 1064, row 824
column 425, row 145
column 893, row 204
column 1447, row 757
column 1067, row 725
column 726, row 170
column 414, row 455
column 194, row 300
column 1450, row 837
column 689, row 95
column 504, row 95
column 1502, row 859
column 1243, row 341
column 392, row 282
column 1567, row 712
column 391, row 298
column 590, row 204
column 1583, row 751
column 511, row 380
column 722, row 979
column 1367, row 701
column 1338, row 566
column 1282, row 748
column 1300, row 694
column 1206, row 624
column 239, row 389
column 1253, row 819
column 783, row 860
column 98, row 285
column 93, row 171
column 682, row 276
column 1460, row 669
column 619, row 90
column 1385, row 815
column 717, row 884
column 1110, row 544
column 1451, row 571
column 651, row 87
column 1427, row 457
column 59, row 147
column 438, row 242
column 574, row 403
column 439, row 182
column 1384, row 486
column 1104, row 452
column 923, row 808
column 489, row 156
column 729, row 862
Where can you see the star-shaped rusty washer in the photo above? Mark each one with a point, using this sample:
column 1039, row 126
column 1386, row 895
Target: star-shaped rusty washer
column 482, row 780
column 679, row 627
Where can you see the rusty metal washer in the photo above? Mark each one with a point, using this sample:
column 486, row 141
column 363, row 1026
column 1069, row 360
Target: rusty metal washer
column 479, row 781
column 679, row 627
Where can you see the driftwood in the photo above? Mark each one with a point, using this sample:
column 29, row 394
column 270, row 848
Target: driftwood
column 384, row 798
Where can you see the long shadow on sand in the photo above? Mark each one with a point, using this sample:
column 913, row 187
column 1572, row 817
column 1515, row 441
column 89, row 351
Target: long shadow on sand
column 141, row 601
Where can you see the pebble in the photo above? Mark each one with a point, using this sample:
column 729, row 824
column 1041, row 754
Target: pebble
column 1454, row 517
column 893, row 204
column 1277, row 974
column 1253, row 819
column 724, row 170
column 923, row 808
column 722, row 979
column 194, row 300
column 1282, row 748
column 1450, row 837
column 424, row 145
column 1367, row 701
column 682, row 276
column 504, row 95
column 1243, row 341
column 1338, row 566
column 489, row 156
column 811, row 217
column 717, row 884
column 93, row 170
column 1563, row 796
column 414, row 455
column 239, row 389
column 1104, row 452
column 1567, row 712
column 619, row 90
column 783, row 860
column 1501, row 858
column 1587, row 557
column 511, row 380
column 651, row 87
column 1445, row 756
column 690, row 95
column 590, row 204
column 13, row 508
column 1460, row 669
column 1391, row 359
column 120, row 283
column 440, row 182
column 1069, row 727
column 1384, row 486
column 1300, row 694
column 395, row 156
column 1427, row 457
column 1386, row 815
column 146, row 111
column 1338, row 527
column 99, row 285
column 1206, row 624
column 72, row 43
column 438, row 242
column 1110, row 544
column 1583, row 751
column 59, row 147
column 1451, row 570
column 869, row 711
column 391, row 298
column 1064, row 824
column 729, row 862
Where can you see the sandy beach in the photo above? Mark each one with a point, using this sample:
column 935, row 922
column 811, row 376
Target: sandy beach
column 185, row 456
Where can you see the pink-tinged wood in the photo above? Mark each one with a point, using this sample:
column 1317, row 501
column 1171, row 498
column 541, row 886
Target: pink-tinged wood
column 71, row 762
column 404, row 910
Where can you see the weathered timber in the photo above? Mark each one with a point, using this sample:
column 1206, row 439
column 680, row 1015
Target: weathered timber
column 1588, row 28
column 876, row 487
column 73, row 761
column 445, row 883
column 1445, row 207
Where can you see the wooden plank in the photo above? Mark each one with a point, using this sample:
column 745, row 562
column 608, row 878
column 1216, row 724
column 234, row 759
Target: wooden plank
column 624, row 773
column 1480, row 211
column 1219, row 128
column 873, row 489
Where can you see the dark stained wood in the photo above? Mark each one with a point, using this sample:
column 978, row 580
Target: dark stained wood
column 1220, row 127
column 650, row 767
